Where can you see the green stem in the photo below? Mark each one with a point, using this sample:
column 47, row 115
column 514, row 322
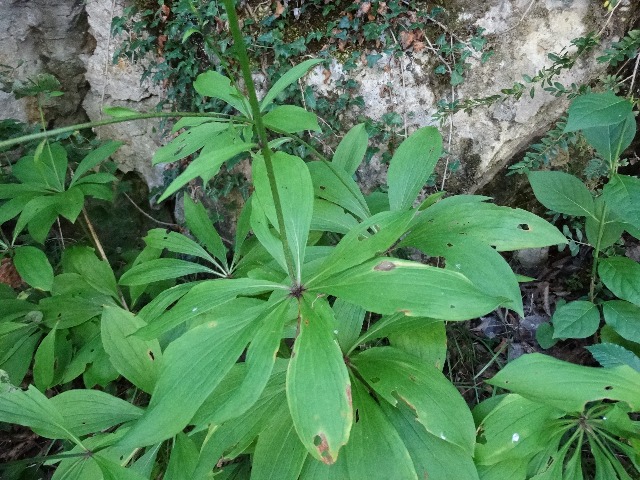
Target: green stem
column 130, row 118
column 261, row 132
column 596, row 255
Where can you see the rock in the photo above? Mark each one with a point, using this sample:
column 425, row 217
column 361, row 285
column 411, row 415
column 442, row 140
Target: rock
column 532, row 259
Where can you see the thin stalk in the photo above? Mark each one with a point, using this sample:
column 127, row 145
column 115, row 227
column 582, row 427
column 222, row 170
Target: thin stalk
column 261, row 132
column 81, row 126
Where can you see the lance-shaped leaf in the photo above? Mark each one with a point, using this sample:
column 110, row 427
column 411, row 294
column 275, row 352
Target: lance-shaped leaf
column 544, row 379
column 278, row 455
column 562, row 193
column 291, row 119
column 329, row 217
column 192, row 367
column 175, row 242
column 439, row 407
column 349, row 319
column 433, row 458
column 190, row 141
column 215, row 85
column 94, row 158
column 318, row 386
column 34, row 267
column 501, row 227
column 292, row 75
column 204, row 297
column 161, row 269
column 266, row 236
column 389, row 285
column 44, row 361
column 135, row 359
column 597, row 110
column 32, row 409
column 335, row 185
column 412, row 165
column 621, row 275
column 114, row 471
column 296, row 198
column 184, row 459
column 89, row 411
column 201, row 227
column 375, row 450
column 351, row 149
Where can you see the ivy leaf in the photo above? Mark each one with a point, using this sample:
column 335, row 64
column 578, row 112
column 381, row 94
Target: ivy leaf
column 578, row 319
column 398, row 376
column 562, row 193
column 412, row 165
column 318, row 386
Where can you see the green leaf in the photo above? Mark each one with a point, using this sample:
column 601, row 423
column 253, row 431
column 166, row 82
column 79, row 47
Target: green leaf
column 135, row 359
column 266, row 235
column 375, row 450
column 43, row 366
column 515, row 429
column 278, row 455
column 292, row 75
column 624, row 318
column 398, row 376
column 578, row 319
column 597, row 110
column 204, row 297
column 192, row 140
column 201, row 227
column 97, row 273
column 621, row 275
column 544, row 335
column 360, row 244
column 32, row 409
column 336, row 186
column 611, row 140
column 329, row 217
column 192, row 367
column 351, row 149
column 296, row 197
column 120, row 112
column 501, row 227
column 34, row 267
column 610, row 355
column 213, row 84
column 33, row 208
column 411, row 288
column 183, row 460
column 70, row 203
column 205, row 166
column 291, row 119
column 90, row 411
column 622, row 195
column 349, row 319
column 94, row 158
column 161, row 269
column 612, row 227
column 318, row 386
column 412, row 165
column 562, row 193
column 175, row 242
column 114, row 471
column 433, row 458
column 544, row 379
column 428, row 342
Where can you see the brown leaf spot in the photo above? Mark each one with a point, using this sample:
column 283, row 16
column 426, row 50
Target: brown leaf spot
column 320, row 441
column 212, row 324
column 349, row 399
column 405, row 311
column 327, row 76
column 385, row 266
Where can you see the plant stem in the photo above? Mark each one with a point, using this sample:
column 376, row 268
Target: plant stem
column 81, row 126
column 243, row 58
column 596, row 254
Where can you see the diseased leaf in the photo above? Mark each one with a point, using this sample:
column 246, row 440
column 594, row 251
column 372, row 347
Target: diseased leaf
column 351, row 149
column 397, row 376
column 291, row 119
column 412, row 165
column 597, row 110
column 34, row 267
column 621, row 275
column 375, row 450
column 411, row 288
column 578, row 319
column 562, row 193
column 544, row 379
column 318, row 386
column 135, row 359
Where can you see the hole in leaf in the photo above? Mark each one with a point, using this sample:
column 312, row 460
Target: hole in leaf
column 449, row 245
column 608, row 387
column 320, row 441
column 357, row 415
column 524, row 226
column 151, row 355
column 375, row 379
column 322, row 187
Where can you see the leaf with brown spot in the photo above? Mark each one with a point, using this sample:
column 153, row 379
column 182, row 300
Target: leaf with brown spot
column 317, row 383
column 385, row 266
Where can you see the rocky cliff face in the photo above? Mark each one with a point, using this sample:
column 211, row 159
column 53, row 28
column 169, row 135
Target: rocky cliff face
column 71, row 39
